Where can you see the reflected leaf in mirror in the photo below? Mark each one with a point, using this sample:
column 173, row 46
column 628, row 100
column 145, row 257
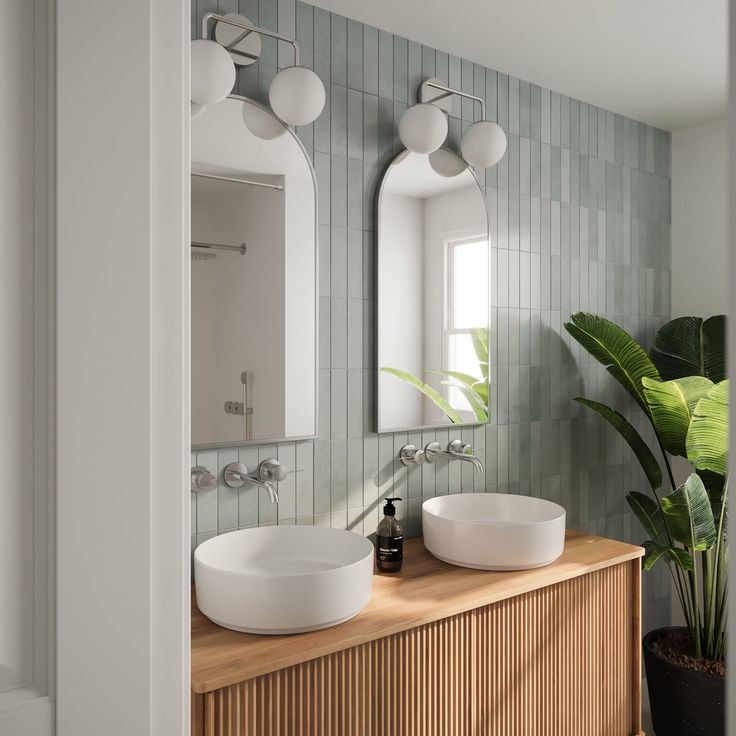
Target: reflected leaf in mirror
column 473, row 388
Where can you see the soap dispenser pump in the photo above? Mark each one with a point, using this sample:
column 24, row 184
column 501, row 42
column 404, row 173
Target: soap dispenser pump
column 389, row 540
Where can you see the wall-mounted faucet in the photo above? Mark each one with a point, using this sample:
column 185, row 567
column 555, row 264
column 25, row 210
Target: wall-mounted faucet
column 456, row 450
column 270, row 472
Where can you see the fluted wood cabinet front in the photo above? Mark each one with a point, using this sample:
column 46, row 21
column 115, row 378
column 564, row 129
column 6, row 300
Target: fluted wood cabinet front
column 559, row 660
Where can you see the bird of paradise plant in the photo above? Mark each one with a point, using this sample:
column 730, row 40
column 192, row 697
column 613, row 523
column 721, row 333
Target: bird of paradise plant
column 682, row 390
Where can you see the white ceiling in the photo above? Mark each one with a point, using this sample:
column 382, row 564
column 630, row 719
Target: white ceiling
column 663, row 62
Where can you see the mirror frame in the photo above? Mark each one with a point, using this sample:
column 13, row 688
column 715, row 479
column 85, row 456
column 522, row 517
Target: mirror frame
column 481, row 188
column 276, row 440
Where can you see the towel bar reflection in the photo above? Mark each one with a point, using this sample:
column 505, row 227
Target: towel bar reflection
column 242, row 248
column 234, row 180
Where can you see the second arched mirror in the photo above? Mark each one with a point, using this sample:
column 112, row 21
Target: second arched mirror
column 433, row 294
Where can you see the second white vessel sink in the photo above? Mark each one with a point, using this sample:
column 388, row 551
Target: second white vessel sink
column 493, row 531
column 283, row 579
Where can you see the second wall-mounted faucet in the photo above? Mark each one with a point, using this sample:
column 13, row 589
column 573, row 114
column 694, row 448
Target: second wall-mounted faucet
column 270, row 472
column 456, row 450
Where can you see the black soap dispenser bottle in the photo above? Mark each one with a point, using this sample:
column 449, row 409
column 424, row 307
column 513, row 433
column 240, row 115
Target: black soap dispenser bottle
column 389, row 540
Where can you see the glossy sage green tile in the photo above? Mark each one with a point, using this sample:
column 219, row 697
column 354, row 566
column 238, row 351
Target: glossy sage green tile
column 338, row 475
column 525, row 126
column 338, row 50
column 502, row 97
column 338, row 333
column 414, row 70
column 385, row 64
column 354, row 55
column 513, row 105
column 370, row 60
column 401, row 69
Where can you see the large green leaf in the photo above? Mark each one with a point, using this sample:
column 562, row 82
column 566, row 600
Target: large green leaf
column 689, row 515
column 689, row 346
column 480, row 345
column 476, row 404
column 707, row 438
column 643, row 454
column 477, row 385
column 431, row 393
column 622, row 356
column 681, row 557
column 715, row 486
column 650, row 517
column 653, row 552
column 671, row 404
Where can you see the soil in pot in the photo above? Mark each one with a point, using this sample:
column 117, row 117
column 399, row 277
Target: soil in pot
column 686, row 693
column 674, row 646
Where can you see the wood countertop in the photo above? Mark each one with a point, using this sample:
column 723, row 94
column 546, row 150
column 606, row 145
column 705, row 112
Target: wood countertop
column 425, row 590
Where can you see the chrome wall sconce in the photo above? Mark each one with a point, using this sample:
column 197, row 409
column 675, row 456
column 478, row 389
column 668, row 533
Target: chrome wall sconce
column 423, row 128
column 296, row 94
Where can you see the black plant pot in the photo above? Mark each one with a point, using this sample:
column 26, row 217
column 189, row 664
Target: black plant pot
column 684, row 702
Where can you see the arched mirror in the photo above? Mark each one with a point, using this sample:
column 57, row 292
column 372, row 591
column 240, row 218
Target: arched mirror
column 254, row 275
column 433, row 294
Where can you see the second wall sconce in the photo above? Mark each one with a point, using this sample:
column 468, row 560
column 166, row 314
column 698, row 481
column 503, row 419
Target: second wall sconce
column 296, row 94
column 423, row 127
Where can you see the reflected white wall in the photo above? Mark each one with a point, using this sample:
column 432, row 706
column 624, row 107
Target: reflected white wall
column 401, row 312
column 238, row 310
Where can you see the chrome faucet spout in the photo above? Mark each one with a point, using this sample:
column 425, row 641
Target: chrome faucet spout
column 475, row 461
column 270, row 473
column 269, row 485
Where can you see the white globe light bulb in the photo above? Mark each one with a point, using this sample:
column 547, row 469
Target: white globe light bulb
column 483, row 144
column 297, row 95
column 262, row 123
column 446, row 163
column 423, row 128
column 212, row 73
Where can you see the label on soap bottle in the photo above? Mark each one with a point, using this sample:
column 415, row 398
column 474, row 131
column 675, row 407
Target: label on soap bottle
column 390, row 549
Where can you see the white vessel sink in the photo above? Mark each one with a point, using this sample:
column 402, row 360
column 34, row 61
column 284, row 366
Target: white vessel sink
column 283, row 579
column 493, row 531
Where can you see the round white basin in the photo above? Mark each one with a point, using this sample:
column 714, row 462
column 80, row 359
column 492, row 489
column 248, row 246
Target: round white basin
column 493, row 531
column 283, row 579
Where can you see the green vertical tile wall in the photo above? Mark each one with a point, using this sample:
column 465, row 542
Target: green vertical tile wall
column 580, row 210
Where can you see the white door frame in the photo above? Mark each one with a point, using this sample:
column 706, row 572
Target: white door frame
column 122, row 367
column 26, row 220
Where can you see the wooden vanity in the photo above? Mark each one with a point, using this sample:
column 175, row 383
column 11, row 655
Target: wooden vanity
column 443, row 651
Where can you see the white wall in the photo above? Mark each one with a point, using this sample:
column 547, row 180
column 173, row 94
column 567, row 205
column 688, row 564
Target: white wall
column 700, row 209
column 400, row 308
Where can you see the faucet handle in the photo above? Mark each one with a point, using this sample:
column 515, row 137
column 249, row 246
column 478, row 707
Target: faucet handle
column 411, row 455
column 202, row 479
column 458, row 447
column 272, row 470
column 235, row 474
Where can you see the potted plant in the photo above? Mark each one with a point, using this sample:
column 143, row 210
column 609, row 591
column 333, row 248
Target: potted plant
column 682, row 390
